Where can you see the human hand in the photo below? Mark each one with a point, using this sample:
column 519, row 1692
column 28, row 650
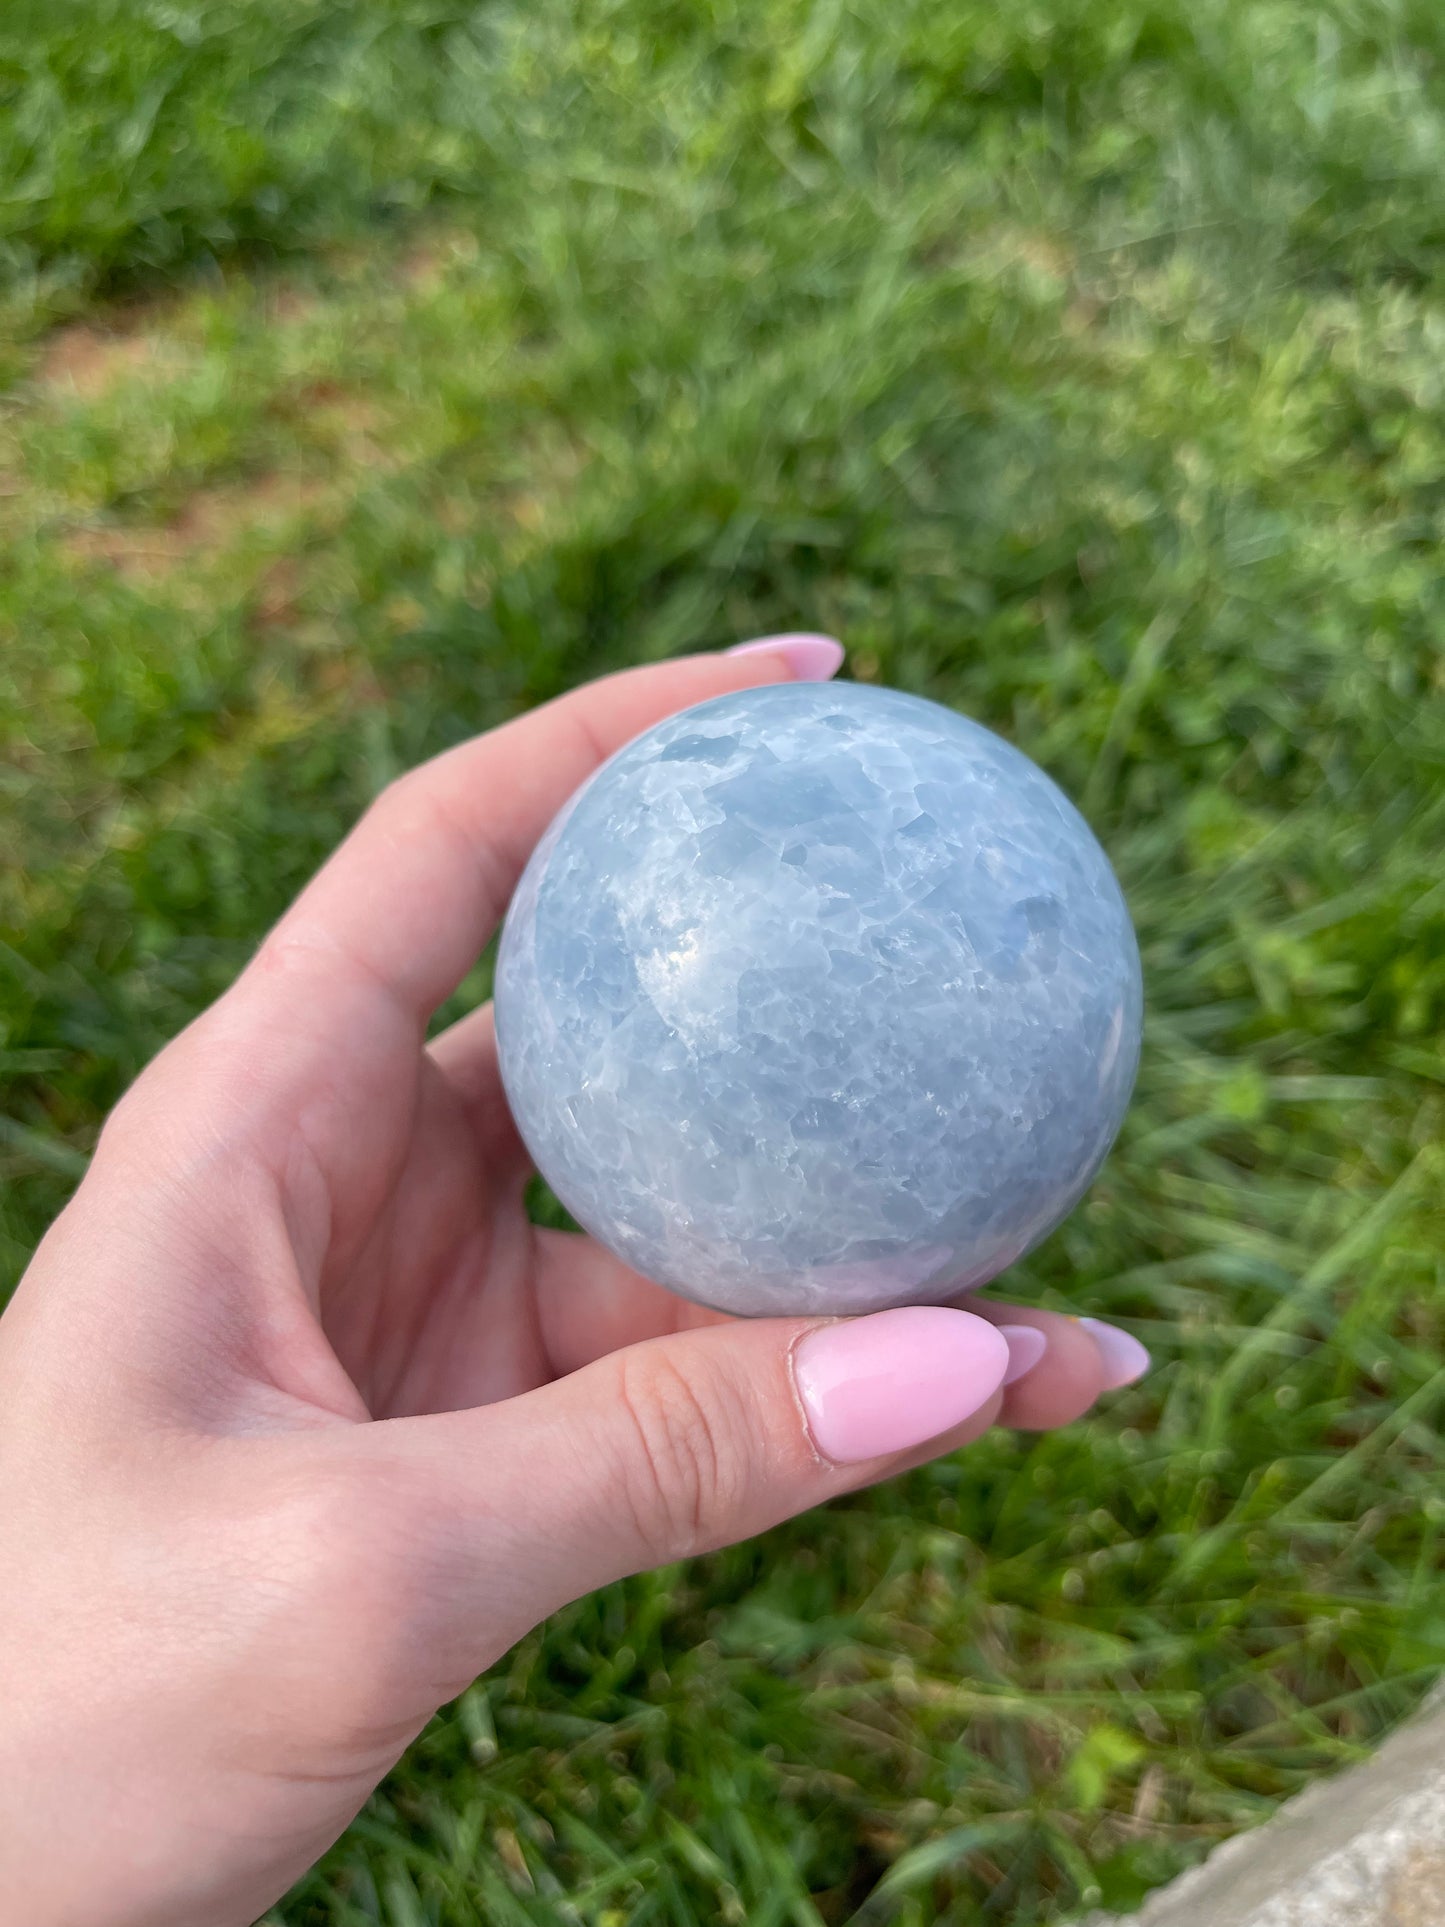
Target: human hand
column 303, row 1423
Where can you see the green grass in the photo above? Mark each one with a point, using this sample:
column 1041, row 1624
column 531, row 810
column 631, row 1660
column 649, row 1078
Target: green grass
column 372, row 371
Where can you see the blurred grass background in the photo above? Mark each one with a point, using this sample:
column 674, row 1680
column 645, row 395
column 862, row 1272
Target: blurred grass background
column 370, row 371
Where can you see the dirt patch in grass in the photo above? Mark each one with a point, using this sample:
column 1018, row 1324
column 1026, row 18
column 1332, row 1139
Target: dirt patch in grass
column 211, row 522
column 337, row 418
column 87, row 361
column 432, row 255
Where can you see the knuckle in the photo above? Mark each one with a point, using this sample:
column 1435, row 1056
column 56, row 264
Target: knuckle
column 336, row 1590
column 409, row 804
column 123, row 1124
column 136, row 1121
column 352, row 1547
column 684, row 1465
column 397, row 797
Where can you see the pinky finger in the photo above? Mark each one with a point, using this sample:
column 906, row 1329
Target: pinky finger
column 1081, row 1359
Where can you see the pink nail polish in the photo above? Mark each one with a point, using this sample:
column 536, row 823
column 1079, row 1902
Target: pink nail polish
column 1026, row 1346
column 883, row 1384
column 809, row 658
column 1125, row 1359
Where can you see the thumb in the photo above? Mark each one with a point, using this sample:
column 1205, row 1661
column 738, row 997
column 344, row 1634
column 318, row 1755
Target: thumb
column 686, row 1443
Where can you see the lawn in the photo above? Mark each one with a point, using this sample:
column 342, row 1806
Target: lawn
column 371, row 371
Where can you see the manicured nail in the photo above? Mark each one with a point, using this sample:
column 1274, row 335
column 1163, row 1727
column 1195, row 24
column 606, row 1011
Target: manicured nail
column 1125, row 1359
column 1026, row 1346
column 883, row 1384
column 809, row 658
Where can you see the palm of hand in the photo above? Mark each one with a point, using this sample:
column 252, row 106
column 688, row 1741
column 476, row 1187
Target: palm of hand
column 454, row 1299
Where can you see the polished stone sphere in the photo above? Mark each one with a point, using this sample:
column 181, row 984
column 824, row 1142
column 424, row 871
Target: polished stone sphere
column 818, row 998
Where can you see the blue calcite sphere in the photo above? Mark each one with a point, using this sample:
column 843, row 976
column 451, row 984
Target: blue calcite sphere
column 818, row 998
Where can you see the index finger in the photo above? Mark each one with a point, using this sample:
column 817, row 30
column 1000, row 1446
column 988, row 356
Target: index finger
column 412, row 895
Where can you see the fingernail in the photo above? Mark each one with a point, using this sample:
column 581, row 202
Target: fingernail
column 1125, row 1359
column 1026, row 1346
column 809, row 658
column 883, row 1384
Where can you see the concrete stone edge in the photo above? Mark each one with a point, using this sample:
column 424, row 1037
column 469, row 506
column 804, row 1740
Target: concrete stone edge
column 1364, row 1848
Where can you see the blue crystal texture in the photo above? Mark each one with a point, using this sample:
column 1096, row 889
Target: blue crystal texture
column 818, row 998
